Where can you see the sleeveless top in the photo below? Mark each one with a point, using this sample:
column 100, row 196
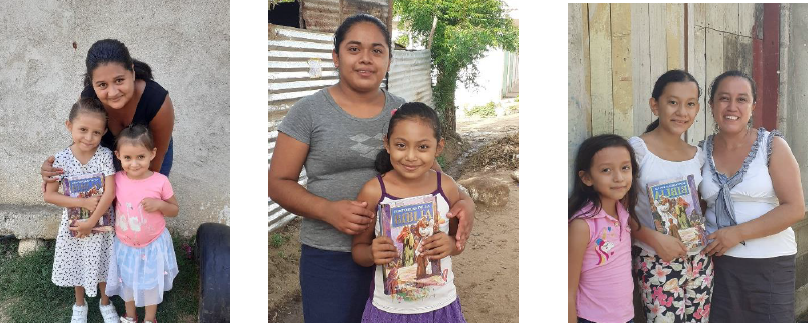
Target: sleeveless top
column 751, row 198
column 605, row 286
column 424, row 299
column 150, row 102
column 654, row 169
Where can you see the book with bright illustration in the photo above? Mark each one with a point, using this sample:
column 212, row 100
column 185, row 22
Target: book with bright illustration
column 408, row 222
column 84, row 186
column 676, row 210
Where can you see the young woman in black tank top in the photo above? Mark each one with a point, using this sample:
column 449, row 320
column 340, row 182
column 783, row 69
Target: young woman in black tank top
column 127, row 90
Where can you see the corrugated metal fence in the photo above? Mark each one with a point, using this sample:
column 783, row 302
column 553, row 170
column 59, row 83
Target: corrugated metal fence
column 410, row 76
column 299, row 64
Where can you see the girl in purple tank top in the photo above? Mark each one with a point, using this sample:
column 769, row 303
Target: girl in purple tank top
column 602, row 200
column 406, row 170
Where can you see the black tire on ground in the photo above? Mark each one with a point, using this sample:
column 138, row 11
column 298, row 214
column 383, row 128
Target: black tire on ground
column 213, row 255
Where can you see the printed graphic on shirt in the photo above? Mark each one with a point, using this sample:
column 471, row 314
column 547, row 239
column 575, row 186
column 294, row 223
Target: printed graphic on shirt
column 367, row 146
column 130, row 217
column 603, row 247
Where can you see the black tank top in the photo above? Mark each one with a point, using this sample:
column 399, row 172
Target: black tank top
column 150, row 102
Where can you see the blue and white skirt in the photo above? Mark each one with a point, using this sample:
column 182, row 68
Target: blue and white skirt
column 142, row 274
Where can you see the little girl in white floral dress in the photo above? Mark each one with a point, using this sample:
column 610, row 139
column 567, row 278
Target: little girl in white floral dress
column 82, row 261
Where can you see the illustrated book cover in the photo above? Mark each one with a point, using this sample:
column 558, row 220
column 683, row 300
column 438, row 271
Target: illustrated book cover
column 84, row 186
column 408, row 222
column 677, row 212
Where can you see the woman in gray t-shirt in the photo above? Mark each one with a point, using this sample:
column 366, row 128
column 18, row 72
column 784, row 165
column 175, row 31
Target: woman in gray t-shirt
column 336, row 133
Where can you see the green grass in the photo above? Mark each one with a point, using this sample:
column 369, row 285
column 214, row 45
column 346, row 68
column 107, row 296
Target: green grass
column 28, row 295
column 276, row 240
column 487, row 110
column 442, row 162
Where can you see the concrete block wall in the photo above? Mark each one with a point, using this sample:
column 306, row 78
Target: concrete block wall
column 187, row 44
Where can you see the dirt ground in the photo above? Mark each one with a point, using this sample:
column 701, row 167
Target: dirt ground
column 486, row 273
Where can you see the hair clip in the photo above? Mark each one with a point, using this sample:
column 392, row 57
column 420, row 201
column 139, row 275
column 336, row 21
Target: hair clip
column 393, row 112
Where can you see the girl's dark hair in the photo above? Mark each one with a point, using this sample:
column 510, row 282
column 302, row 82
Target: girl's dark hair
column 726, row 74
column 135, row 134
column 346, row 25
column 663, row 81
column 88, row 105
column 408, row 111
column 107, row 51
column 582, row 194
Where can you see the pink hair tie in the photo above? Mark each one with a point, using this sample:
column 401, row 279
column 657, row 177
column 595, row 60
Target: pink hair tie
column 393, row 112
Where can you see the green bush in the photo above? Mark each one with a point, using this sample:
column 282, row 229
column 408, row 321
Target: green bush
column 485, row 111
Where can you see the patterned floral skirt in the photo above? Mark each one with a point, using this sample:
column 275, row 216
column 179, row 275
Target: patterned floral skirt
column 142, row 274
column 676, row 291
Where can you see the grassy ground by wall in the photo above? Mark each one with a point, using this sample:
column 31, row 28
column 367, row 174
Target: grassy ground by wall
column 28, row 295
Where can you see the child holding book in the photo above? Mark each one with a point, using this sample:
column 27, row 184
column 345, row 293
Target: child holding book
column 143, row 264
column 603, row 197
column 675, row 281
column 82, row 259
column 405, row 165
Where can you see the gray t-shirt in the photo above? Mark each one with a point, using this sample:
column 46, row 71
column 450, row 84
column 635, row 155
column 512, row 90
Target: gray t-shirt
column 342, row 151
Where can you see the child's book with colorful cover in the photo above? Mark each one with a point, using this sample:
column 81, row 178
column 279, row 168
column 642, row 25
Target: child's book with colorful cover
column 408, row 222
column 84, row 186
column 677, row 212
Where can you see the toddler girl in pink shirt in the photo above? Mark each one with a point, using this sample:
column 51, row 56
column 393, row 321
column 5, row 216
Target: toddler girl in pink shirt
column 143, row 265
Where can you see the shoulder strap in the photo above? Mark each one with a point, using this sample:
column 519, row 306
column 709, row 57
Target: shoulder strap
column 439, row 178
column 384, row 191
column 769, row 140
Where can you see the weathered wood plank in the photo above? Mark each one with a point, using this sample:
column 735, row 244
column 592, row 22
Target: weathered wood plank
column 658, row 43
column 782, row 99
column 641, row 67
column 700, row 14
column 696, row 67
column 601, row 68
column 714, row 63
column 746, row 19
column 723, row 17
column 674, row 35
column 587, row 66
column 745, row 58
column 731, row 52
column 621, row 69
column 578, row 113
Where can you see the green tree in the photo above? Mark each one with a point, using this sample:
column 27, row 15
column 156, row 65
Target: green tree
column 465, row 30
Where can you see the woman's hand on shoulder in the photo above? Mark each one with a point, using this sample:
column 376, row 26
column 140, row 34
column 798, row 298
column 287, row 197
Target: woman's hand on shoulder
column 48, row 171
column 354, row 217
column 350, row 217
column 462, row 208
